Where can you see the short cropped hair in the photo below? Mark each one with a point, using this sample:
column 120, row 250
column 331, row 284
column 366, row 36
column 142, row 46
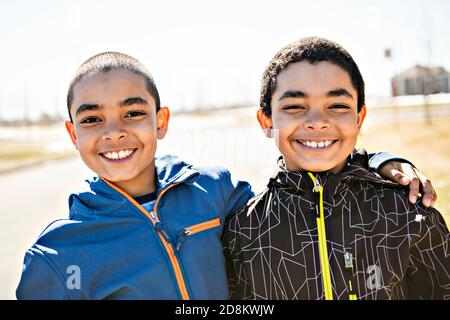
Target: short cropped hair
column 313, row 50
column 108, row 61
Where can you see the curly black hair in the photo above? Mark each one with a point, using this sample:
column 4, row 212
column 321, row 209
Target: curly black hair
column 313, row 50
column 108, row 61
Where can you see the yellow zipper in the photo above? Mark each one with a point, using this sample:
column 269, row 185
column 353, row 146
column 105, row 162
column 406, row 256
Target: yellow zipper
column 169, row 249
column 323, row 250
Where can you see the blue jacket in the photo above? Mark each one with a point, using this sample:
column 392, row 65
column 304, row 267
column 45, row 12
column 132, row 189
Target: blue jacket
column 112, row 248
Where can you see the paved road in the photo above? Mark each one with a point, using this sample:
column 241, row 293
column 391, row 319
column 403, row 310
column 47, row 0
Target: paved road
column 30, row 199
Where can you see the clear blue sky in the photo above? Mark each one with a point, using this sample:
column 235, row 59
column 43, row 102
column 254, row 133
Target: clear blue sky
column 205, row 52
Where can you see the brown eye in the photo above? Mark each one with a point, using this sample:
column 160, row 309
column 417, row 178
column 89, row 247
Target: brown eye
column 339, row 106
column 293, row 107
column 90, row 120
column 133, row 114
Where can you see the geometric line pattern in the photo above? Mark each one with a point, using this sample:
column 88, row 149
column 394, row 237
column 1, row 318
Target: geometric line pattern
column 399, row 250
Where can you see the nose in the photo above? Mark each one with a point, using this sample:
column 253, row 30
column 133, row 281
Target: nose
column 316, row 120
column 114, row 132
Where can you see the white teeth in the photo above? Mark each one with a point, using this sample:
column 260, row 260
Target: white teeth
column 118, row 155
column 314, row 144
column 112, row 155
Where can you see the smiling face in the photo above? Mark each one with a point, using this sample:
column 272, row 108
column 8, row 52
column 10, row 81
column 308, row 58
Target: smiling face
column 315, row 115
column 116, row 128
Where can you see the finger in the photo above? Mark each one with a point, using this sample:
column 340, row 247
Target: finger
column 408, row 170
column 429, row 195
column 404, row 180
column 430, row 199
column 397, row 176
column 414, row 187
column 434, row 199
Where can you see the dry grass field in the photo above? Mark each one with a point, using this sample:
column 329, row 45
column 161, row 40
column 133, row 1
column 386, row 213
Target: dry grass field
column 427, row 145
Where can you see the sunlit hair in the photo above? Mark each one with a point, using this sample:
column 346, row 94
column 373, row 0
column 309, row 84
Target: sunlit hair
column 108, row 61
column 313, row 50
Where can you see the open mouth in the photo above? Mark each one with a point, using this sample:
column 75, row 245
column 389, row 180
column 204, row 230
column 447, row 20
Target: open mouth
column 316, row 145
column 118, row 155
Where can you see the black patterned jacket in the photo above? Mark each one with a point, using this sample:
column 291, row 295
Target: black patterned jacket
column 350, row 235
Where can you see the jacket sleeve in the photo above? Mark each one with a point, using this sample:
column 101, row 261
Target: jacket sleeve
column 378, row 159
column 236, row 193
column 40, row 280
column 428, row 274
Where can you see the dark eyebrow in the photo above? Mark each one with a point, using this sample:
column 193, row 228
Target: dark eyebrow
column 293, row 94
column 86, row 107
column 339, row 92
column 133, row 100
column 127, row 102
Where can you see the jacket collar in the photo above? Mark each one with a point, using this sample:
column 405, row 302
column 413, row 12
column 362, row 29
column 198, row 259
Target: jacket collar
column 172, row 170
column 100, row 197
column 357, row 168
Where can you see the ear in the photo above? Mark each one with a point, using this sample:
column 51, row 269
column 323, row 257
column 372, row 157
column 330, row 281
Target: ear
column 265, row 122
column 71, row 130
column 361, row 116
column 162, row 122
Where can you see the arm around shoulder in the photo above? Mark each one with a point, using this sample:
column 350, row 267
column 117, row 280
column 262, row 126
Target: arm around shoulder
column 378, row 159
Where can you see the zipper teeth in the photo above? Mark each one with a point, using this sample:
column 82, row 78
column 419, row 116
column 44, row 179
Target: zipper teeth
column 324, row 259
column 323, row 250
column 167, row 246
column 176, row 268
column 169, row 249
column 204, row 226
column 159, row 198
column 129, row 198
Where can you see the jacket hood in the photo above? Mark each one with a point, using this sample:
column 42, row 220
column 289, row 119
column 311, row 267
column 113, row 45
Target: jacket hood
column 99, row 198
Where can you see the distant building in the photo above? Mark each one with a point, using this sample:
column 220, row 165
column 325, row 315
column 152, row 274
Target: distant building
column 421, row 80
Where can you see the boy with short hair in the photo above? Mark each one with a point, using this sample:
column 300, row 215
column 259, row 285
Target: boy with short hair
column 146, row 228
column 326, row 227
